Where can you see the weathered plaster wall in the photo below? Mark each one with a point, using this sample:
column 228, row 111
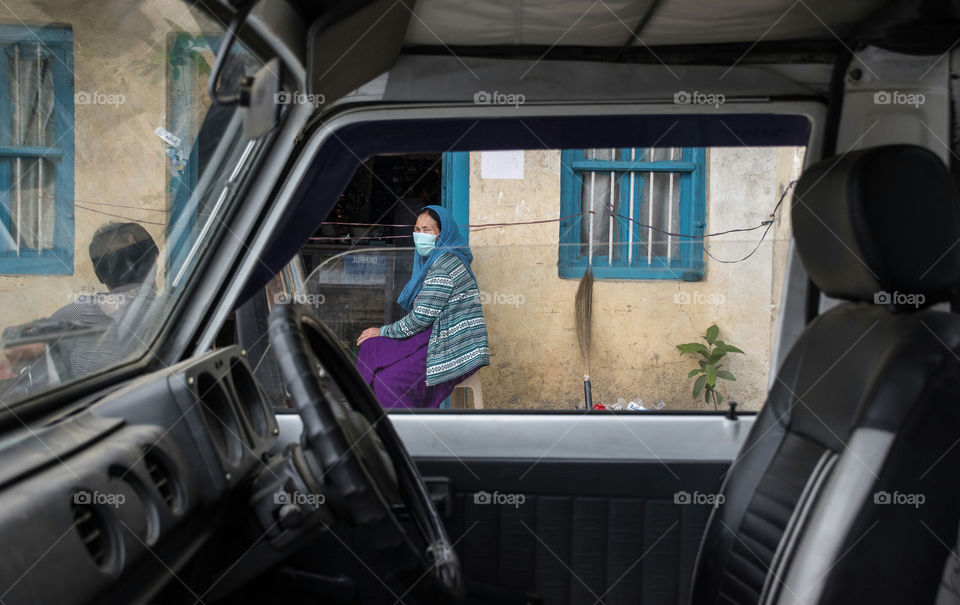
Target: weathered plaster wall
column 530, row 310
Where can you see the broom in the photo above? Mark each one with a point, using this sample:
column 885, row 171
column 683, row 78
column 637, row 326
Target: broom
column 584, row 312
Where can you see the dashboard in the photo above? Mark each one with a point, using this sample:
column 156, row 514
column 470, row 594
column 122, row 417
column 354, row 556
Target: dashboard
column 108, row 495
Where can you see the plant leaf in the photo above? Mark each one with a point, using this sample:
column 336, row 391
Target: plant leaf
column 711, row 375
column 719, row 398
column 698, row 386
column 712, row 333
column 693, row 347
column 693, row 372
column 732, row 349
column 716, row 356
column 706, row 396
column 725, row 375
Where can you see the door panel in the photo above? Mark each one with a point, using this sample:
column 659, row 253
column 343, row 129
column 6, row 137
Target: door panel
column 582, row 531
column 577, row 508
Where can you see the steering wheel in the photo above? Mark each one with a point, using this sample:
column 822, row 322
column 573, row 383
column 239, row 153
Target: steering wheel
column 353, row 450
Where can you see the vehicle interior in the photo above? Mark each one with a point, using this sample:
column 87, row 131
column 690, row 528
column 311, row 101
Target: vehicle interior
column 777, row 176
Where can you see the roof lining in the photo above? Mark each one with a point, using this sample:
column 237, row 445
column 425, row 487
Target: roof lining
column 797, row 51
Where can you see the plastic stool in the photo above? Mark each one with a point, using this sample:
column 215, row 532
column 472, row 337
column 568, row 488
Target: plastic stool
column 458, row 399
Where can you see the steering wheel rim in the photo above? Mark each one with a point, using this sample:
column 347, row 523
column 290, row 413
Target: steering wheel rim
column 298, row 335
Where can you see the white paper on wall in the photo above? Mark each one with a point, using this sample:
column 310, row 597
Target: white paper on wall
column 501, row 164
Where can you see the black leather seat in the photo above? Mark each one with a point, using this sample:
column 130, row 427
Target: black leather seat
column 847, row 489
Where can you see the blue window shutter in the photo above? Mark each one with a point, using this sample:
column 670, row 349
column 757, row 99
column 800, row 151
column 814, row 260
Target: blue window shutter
column 64, row 228
column 571, row 184
column 690, row 169
column 696, row 208
column 455, row 195
column 58, row 260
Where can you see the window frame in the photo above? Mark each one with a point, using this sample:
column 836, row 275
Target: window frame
column 692, row 213
column 455, row 188
column 58, row 40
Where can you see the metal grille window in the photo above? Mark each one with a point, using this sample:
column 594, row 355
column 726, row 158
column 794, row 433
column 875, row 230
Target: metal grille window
column 36, row 150
column 625, row 209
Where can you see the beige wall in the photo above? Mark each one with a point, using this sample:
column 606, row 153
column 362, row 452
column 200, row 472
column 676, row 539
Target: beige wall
column 119, row 48
column 530, row 310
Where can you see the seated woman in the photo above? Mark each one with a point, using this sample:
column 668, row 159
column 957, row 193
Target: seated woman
column 416, row 361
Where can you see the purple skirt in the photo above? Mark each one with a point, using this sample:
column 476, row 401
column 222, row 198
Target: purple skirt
column 397, row 371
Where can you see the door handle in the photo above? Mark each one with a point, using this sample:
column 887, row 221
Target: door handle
column 441, row 495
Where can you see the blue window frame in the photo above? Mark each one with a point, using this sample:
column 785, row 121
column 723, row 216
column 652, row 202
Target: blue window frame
column 632, row 213
column 455, row 194
column 36, row 150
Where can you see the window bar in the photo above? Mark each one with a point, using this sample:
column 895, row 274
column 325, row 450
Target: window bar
column 670, row 214
column 39, row 160
column 17, row 141
column 650, row 202
column 610, row 212
column 593, row 174
column 633, row 154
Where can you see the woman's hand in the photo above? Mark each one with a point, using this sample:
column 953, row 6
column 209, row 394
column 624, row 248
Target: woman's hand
column 368, row 333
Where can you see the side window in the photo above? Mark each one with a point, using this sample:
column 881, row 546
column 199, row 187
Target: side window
column 36, row 150
column 688, row 246
column 629, row 213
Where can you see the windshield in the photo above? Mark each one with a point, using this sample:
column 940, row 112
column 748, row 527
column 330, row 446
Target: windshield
column 687, row 252
column 113, row 179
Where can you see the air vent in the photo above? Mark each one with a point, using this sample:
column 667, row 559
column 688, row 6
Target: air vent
column 251, row 401
column 223, row 427
column 163, row 480
column 93, row 531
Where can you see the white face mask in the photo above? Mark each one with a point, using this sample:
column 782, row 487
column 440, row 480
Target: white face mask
column 424, row 242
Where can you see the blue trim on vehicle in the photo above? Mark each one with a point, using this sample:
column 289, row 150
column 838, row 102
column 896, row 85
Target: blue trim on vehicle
column 59, row 260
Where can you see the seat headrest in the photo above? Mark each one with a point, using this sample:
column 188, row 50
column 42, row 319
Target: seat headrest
column 880, row 225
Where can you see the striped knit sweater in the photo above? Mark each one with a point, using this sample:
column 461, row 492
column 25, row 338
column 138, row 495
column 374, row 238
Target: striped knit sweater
column 449, row 301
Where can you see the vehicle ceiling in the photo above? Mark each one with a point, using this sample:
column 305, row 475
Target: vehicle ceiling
column 627, row 26
column 612, row 22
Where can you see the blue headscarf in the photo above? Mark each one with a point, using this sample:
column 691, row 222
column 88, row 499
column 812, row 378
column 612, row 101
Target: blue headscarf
column 450, row 240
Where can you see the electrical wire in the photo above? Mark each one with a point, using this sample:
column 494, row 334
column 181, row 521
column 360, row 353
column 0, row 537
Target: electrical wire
column 769, row 222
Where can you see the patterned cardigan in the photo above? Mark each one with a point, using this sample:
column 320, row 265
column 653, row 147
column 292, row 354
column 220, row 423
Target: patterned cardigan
column 449, row 301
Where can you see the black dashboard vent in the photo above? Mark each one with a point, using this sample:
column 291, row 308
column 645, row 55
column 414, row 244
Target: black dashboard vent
column 93, row 531
column 162, row 480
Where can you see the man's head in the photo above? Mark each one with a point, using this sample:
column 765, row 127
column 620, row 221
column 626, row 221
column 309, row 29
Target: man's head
column 122, row 254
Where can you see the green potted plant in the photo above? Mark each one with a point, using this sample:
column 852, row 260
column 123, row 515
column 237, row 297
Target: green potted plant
column 709, row 371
